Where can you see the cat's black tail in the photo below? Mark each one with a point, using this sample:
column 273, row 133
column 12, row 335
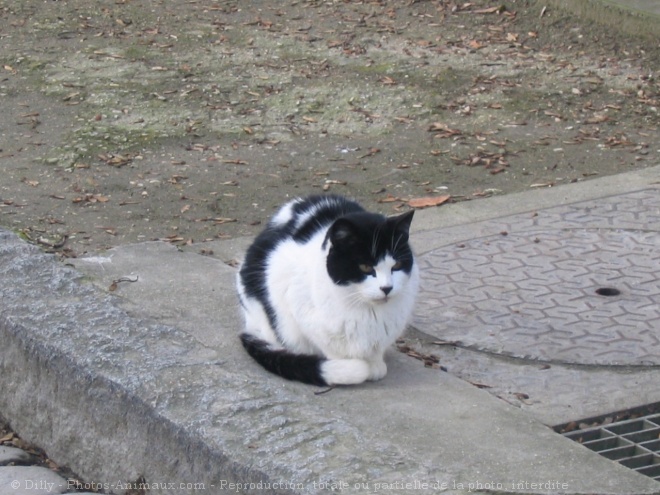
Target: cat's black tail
column 304, row 368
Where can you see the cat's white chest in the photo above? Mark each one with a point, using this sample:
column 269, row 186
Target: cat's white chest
column 369, row 327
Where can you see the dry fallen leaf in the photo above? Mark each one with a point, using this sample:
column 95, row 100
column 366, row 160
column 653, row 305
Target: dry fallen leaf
column 7, row 438
column 223, row 220
column 372, row 152
column 428, row 201
column 443, row 129
column 446, row 342
column 596, row 119
column 479, row 385
column 543, row 184
column 173, row 238
column 115, row 160
column 490, row 10
column 404, row 120
column 91, row 198
column 109, row 230
column 389, row 199
column 330, row 182
column 115, row 283
column 522, row 397
column 21, row 444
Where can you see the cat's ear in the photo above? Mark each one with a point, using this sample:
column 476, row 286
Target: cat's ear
column 402, row 222
column 342, row 233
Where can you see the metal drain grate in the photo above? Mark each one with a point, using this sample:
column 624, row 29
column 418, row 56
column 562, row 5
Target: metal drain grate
column 635, row 443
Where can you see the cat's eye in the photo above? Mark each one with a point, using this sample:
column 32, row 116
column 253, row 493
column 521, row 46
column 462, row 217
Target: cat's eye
column 366, row 269
column 397, row 266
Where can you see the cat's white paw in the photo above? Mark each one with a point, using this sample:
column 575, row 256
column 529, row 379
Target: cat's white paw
column 345, row 371
column 377, row 369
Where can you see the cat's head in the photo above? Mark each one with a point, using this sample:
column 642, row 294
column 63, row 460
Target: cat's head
column 370, row 253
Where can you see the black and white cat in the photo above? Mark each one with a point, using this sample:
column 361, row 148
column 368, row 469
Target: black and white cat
column 325, row 289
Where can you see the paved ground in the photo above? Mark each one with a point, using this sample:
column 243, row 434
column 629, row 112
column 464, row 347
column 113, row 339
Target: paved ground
column 550, row 298
column 132, row 362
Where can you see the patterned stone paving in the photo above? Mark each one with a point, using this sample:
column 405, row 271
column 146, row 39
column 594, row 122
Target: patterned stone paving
column 530, row 292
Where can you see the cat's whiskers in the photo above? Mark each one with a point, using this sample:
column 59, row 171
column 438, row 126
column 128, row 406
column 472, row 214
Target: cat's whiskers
column 355, row 300
column 352, row 299
column 374, row 243
column 395, row 244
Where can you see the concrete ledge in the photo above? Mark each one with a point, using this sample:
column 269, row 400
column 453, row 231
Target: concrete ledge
column 634, row 17
column 74, row 373
column 121, row 398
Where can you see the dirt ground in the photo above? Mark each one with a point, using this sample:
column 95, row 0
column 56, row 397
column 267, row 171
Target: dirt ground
column 124, row 120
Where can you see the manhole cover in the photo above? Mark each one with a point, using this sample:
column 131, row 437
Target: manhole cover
column 574, row 296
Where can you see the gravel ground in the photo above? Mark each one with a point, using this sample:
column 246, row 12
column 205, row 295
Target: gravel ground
column 190, row 121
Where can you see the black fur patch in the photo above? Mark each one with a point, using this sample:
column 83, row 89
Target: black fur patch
column 304, row 368
column 365, row 239
column 253, row 271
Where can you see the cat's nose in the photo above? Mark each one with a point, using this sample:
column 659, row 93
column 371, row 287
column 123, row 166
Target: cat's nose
column 387, row 289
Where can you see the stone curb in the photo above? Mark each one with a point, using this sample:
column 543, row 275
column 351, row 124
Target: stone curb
column 634, row 17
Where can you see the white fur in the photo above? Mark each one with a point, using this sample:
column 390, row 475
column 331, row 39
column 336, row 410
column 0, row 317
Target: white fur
column 345, row 371
column 285, row 213
column 352, row 326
